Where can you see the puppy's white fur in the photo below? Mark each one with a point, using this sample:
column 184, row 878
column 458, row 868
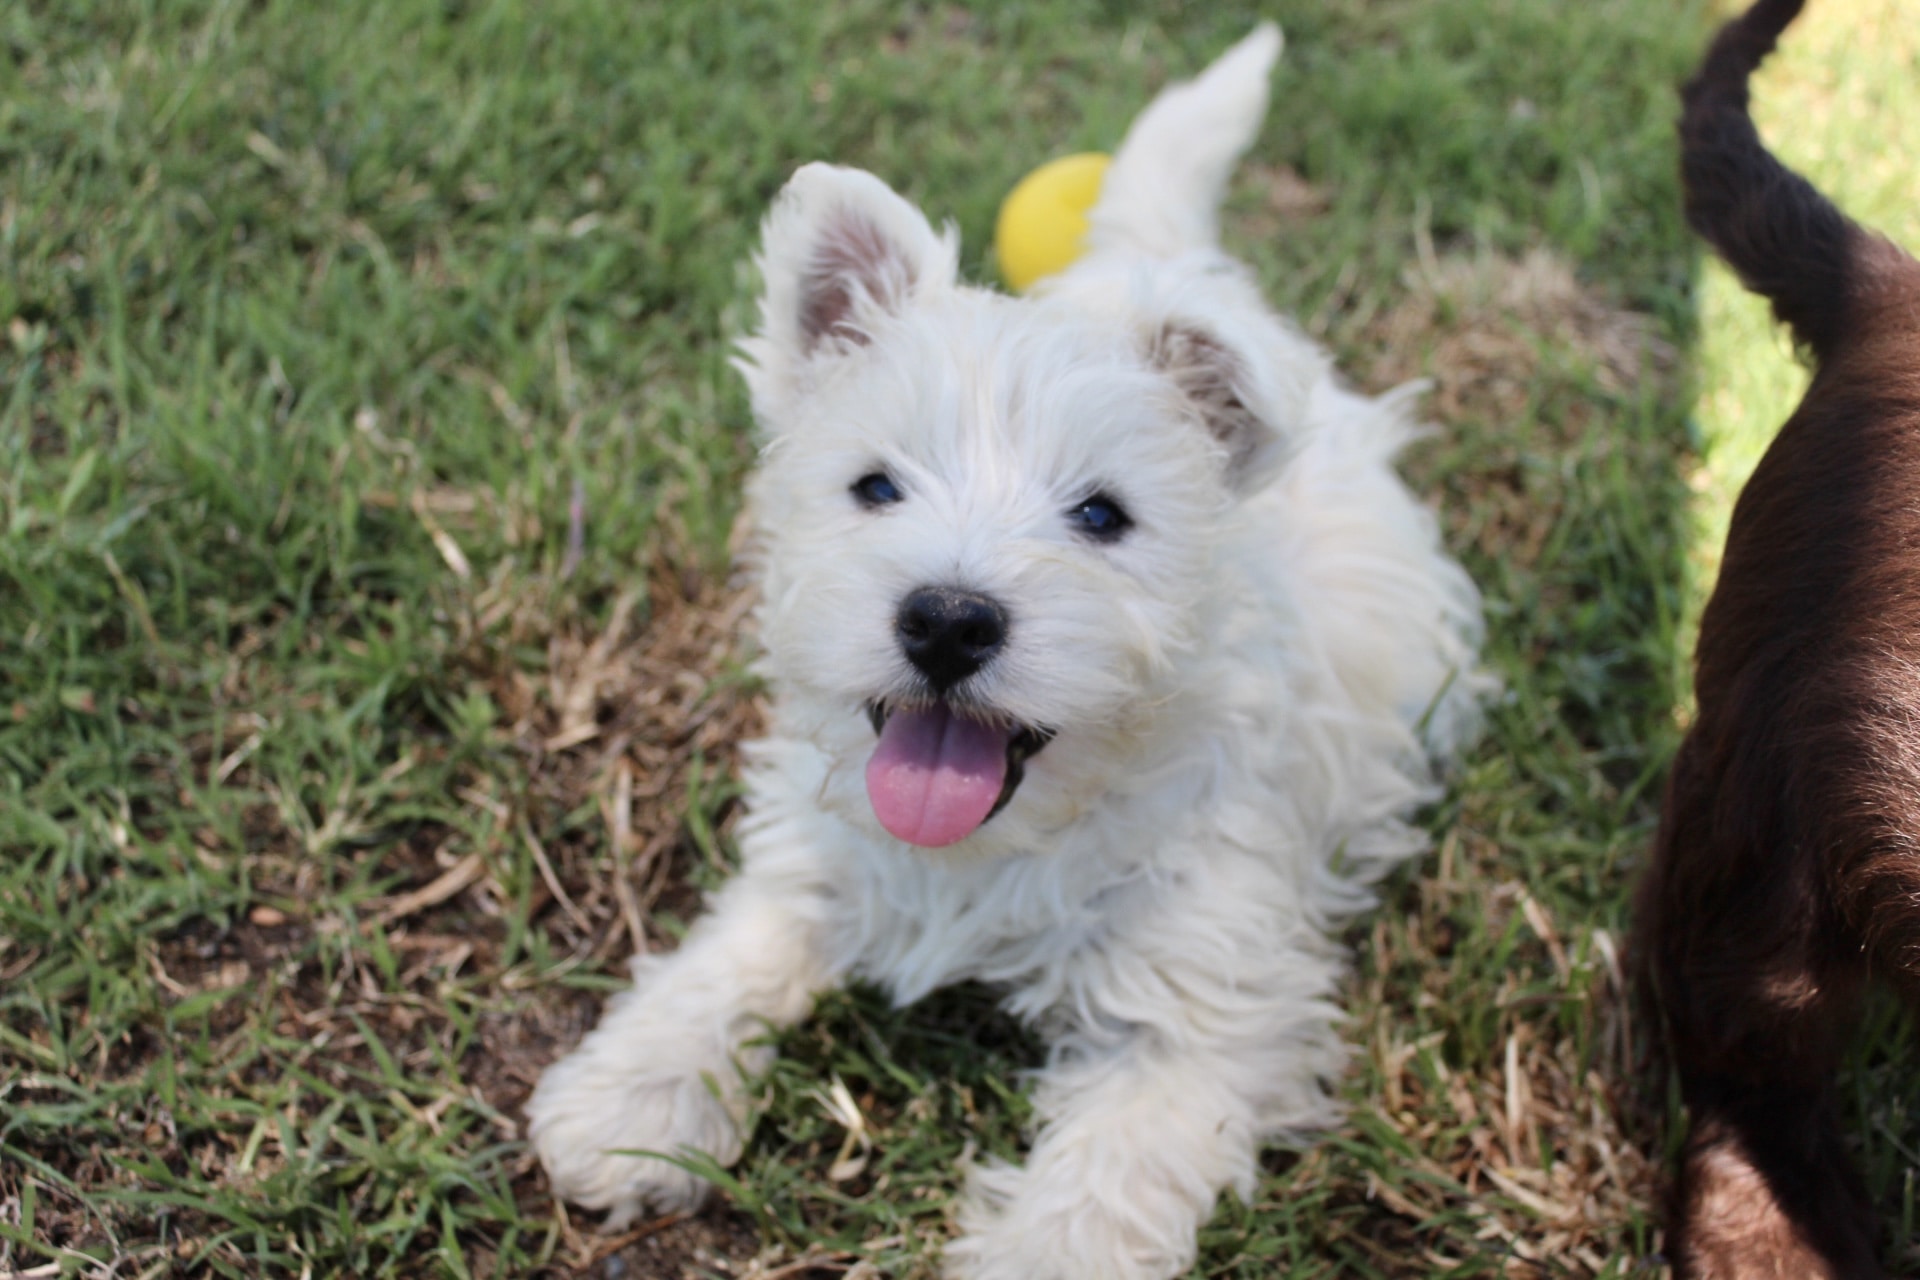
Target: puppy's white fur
column 1247, row 692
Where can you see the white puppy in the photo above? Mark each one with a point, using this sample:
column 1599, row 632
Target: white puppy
column 1108, row 657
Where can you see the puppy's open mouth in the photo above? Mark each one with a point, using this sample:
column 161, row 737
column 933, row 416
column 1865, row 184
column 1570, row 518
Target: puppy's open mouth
column 938, row 773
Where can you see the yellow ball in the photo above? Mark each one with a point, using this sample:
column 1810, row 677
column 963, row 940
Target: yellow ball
column 1043, row 220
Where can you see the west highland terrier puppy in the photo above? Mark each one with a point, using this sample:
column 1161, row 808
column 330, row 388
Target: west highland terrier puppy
column 1109, row 657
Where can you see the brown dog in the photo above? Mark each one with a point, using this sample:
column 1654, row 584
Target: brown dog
column 1787, row 870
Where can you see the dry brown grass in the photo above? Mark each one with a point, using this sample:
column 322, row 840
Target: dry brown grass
column 1538, row 1144
column 1523, row 358
column 627, row 723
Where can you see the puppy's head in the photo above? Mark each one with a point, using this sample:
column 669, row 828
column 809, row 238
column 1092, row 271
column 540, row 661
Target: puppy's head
column 985, row 525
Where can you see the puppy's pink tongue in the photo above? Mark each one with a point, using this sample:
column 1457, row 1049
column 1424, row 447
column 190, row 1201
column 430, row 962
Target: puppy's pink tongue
column 934, row 777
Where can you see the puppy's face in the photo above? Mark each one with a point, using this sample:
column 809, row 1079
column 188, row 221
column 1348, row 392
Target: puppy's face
column 985, row 524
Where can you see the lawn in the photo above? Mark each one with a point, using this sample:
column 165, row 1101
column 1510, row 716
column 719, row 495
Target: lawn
column 371, row 670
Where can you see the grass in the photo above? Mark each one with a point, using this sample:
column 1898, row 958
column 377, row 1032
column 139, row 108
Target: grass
column 367, row 460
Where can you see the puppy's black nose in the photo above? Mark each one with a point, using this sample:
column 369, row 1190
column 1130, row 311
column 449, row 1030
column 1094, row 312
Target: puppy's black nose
column 949, row 634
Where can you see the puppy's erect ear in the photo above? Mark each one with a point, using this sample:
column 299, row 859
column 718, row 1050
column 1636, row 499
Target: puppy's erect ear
column 1222, row 389
column 839, row 251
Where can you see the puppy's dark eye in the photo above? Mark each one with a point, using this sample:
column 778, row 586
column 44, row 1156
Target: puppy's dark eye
column 876, row 490
column 1100, row 518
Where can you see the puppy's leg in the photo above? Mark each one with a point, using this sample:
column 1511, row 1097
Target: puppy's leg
column 1757, row 995
column 663, row 1072
column 1766, row 1189
column 1765, row 1186
column 1191, row 1032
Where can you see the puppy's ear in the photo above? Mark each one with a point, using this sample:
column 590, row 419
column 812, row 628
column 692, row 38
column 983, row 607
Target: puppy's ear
column 1222, row 389
column 839, row 251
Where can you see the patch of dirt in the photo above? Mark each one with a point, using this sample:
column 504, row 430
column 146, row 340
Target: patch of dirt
column 1283, row 199
column 627, row 721
column 636, row 723
column 1515, row 349
column 714, row 1241
column 1484, row 326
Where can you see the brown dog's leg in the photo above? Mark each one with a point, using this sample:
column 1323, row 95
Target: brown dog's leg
column 1766, row 1190
column 1757, row 999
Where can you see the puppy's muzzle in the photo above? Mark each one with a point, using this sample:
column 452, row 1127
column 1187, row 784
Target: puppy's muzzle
column 948, row 634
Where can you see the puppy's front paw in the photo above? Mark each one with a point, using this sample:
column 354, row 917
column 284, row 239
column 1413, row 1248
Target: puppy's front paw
column 1019, row 1226
column 593, row 1116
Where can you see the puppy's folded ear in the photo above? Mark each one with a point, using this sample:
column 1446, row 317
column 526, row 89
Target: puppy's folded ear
column 1222, row 389
column 838, row 254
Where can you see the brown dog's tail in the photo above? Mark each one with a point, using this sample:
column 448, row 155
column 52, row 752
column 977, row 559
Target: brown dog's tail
column 1786, row 240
